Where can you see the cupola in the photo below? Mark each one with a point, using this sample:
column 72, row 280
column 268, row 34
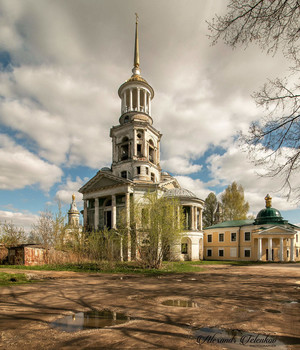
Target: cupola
column 269, row 215
column 136, row 94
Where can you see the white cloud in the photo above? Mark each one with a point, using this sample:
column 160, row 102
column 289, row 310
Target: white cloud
column 234, row 165
column 20, row 168
column 66, row 190
column 19, row 219
column 178, row 165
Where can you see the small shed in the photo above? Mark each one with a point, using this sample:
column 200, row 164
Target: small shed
column 3, row 253
column 27, row 254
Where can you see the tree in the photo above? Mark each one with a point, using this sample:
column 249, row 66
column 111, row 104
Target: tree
column 158, row 225
column 11, row 235
column 234, row 206
column 273, row 141
column 210, row 208
column 43, row 229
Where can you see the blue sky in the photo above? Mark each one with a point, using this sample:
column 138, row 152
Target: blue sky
column 61, row 63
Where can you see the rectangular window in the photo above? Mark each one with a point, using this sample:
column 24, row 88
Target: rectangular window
column 233, row 237
column 124, row 174
column 297, row 253
column 147, row 170
column 221, row 252
column 184, row 248
column 138, row 170
column 233, row 252
column 296, row 238
column 209, row 238
column 287, row 253
column 247, row 236
column 139, row 150
column 209, row 252
column 221, row 237
column 247, row 253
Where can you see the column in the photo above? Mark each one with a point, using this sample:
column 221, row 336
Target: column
column 127, row 208
column 200, row 219
column 281, row 256
column 113, row 212
column 292, row 250
column 96, row 216
column 138, row 99
column 123, row 102
column 134, row 144
column 192, row 218
column 149, row 105
column 145, row 101
column 196, row 218
column 270, row 249
column 259, row 249
column 85, row 213
column 130, row 100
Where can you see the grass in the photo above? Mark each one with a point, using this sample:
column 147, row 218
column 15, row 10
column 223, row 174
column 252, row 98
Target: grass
column 9, row 279
column 168, row 267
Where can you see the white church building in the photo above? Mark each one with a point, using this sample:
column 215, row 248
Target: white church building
column 135, row 170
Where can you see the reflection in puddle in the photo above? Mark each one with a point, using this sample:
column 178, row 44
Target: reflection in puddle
column 238, row 339
column 90, row 320
column 180, row 303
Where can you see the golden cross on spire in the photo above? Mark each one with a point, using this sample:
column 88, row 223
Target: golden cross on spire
column 136, row 18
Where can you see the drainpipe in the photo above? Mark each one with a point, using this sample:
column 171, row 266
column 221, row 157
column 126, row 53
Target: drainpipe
column 239, row 243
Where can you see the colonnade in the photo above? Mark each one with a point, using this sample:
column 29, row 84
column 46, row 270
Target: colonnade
column 141, row 105
column 281, row 249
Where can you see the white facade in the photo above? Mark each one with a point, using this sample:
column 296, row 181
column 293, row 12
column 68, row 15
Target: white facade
column 136, row 170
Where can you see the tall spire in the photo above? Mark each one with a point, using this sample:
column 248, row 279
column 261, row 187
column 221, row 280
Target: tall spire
column 136, row 63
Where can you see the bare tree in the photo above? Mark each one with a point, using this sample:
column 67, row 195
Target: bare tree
column 11, row 235
column 274, row 140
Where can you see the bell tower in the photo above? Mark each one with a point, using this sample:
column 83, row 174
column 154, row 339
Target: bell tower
column 135, row 142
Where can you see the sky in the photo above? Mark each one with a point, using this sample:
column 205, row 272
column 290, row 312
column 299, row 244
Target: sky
column 61, row 64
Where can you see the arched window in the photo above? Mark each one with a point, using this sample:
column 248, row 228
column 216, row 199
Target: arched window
column 126, row 119
column 153, row 177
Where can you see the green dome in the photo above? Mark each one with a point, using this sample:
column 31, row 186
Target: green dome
column 269, row 216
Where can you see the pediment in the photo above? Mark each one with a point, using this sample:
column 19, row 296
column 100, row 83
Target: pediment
column 103, row 180
column 277, row 230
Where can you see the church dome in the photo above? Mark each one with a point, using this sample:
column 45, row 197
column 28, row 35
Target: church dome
column 179, row 193
column 269, row 215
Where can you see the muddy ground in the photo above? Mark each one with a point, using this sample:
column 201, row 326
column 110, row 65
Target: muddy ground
column 227, row 297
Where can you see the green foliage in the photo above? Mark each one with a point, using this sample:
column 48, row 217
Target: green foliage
column 234, row 206
column 209, row 212
column 11, row 235
column 158, row 223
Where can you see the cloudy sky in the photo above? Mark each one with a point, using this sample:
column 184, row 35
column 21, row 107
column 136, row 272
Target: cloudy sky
column 61, row 64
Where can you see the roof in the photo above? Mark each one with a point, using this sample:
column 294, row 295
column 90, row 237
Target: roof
column 232, row 223
column 180, row 193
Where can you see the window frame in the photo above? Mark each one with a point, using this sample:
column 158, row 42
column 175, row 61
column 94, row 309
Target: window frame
column 247, row 250
column 232, row 233
column 247, row 240
column 221, row 250
column 209, row 238
column 209, row 250
column 223, row 235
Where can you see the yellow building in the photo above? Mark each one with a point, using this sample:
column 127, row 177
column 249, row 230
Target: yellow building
column 267, row 238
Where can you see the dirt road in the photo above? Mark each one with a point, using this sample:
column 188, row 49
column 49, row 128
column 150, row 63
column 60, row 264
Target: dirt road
column 226, row 297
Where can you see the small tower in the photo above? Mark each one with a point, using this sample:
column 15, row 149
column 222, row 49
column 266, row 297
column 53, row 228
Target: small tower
column 73, row 214
column 136, row 152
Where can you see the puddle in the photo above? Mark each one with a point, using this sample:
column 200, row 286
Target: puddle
column 238, row 339
column 180, row 303
column 90, row 320
column 273, row 311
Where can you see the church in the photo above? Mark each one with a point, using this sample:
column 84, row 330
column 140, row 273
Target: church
column 136, row 170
